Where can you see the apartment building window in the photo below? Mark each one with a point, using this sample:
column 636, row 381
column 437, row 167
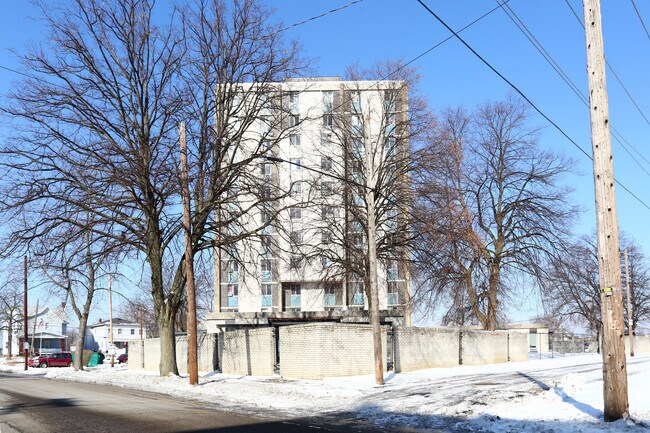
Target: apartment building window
column 326, row 189
column 294, row 139
column 328, row 120
column 294, row 120
column 266, row 145
column 390, row 96
column 295, row 261
column 357, row 239
column 233, row 271
column 132, row 331
column 296, row 164
column 325, row 262
column 119, row 331
column 325, row 237
column 390, row 145
column 266, row 192
column 265, row 267
column 391, row 220
column 267, row 295
column 294, row 291
column 357, row 125
column 328, row 101
column 358, row 148
column 357, row 292
column 326, row 138
column 295, row 213
column 327, row 212
column 233, row 295
column 265, row 169
column 392, row 293
column 330, row 295
column 294, row 102
column 392, row 270
column 390, row 124
column 295, row 238
column 355, row 100
column 325, row 163
column 296, row 189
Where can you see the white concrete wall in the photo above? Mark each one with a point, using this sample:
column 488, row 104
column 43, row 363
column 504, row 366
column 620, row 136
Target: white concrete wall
column 248, row 352
column 484, row 347
column 418, row 348
column 518, row 345
column 320, row 350
column 641, row 344
column 147, row 354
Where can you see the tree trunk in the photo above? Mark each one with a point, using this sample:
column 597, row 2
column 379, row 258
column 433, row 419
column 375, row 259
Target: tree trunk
column 493, row 290
column 10, row 326
column 79, row 343
column 167, row 344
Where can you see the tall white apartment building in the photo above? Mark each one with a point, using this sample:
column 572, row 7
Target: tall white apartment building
column 330, row 145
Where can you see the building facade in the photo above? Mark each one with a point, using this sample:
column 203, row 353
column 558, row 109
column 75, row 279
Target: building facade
column 98, row 335
column 47, row 330
column 335, row 152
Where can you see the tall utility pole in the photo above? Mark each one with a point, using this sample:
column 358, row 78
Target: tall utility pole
column 110, row 321
column 611, row 297
column 630, row 316
column 192, row 364
column 25, row 334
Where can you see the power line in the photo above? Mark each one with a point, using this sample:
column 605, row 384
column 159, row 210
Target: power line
column 319, row 16
column 565, row 77
column 611, row 69
column 640, row 19
column 516, row 89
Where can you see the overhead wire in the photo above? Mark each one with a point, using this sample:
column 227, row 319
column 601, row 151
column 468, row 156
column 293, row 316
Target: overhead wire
column 510, row 13
column 638, row 14
column 522, row 94
column 611, row 69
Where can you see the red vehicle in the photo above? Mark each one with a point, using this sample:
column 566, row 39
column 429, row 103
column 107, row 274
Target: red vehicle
column 60, row 359
column 123, row 358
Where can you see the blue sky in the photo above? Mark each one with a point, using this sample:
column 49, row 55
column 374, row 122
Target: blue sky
column 451, row 75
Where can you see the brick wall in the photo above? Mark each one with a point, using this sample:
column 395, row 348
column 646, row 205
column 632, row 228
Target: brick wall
column 248, row 352
column 418, row 348
column 320, row 350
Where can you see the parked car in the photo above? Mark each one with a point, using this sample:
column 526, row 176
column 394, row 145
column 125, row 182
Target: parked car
column 123, row 358
column 60, row 359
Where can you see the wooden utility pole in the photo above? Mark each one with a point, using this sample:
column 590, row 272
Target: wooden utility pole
column 110, row 322
column 189, row 266
column 611, row 297
column 25, row 334
column 140, row 322
column 630, row 316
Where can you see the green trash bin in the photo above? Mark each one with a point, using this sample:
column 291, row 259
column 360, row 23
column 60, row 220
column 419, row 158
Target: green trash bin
column 94, row 360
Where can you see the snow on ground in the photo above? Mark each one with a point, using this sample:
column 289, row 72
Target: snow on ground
column 554, row 395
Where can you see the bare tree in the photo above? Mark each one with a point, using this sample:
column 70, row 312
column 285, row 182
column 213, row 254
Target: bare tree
column 639, row 281
column 571, row 290
column 73, row 262
column 11, row 308
column 97, row 135
column 489, row 206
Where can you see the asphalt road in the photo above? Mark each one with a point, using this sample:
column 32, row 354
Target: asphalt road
column 39, row 405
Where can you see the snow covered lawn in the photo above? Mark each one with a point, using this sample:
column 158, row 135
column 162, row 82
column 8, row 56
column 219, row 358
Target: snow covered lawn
column 545, row 395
